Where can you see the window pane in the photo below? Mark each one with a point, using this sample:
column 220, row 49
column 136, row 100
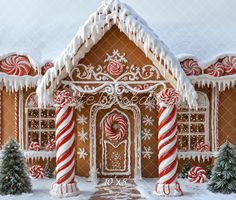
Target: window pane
column 44, row 124
column 33, row 124
column 33, row 136
column 183, row 142
column 33, row 113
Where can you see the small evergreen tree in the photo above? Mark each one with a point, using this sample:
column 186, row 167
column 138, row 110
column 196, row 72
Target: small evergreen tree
column 223, row 179
column 209, row 171
column 14, row 178
column 184, row 171
column 48, row 170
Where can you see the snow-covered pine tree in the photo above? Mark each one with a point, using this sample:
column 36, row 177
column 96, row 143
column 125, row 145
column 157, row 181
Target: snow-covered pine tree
column 48, row 170
column 14, row 178
column 223, row 179
column 209, row 171
column 184, row 171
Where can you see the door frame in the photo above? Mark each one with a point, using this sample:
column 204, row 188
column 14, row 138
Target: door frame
column 137, row 136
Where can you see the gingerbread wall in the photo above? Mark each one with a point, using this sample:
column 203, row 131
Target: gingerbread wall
column 8, row 116
column 114, row 39
column 227, row 116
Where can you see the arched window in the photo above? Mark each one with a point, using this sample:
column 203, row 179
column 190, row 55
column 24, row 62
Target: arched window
column 40, row 122
column 193, row 125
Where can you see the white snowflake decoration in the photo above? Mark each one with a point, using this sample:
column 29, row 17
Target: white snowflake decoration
column 146, row 134
column 147, row 152
column 82, row 119
column 79, row 106
column 150, row 105
column 148, row 120
column 83, row 135
column 82, row 153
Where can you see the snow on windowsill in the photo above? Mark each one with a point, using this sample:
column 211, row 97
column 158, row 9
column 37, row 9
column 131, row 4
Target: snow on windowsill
column 36, row 155
column 195, row 154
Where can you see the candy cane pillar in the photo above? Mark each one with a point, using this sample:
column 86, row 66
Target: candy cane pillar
column 167, row 184
column 65, row 184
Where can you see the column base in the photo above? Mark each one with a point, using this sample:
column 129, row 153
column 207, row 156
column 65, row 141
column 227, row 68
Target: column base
column 64, row 190
column 168, row 189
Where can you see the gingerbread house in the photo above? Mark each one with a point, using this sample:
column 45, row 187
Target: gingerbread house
column 119, row 103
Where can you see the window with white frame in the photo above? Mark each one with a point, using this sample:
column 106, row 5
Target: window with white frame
column 40, row 122
column 193, row 125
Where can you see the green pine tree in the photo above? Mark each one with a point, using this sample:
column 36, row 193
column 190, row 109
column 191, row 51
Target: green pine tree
column 48, row 170
column 14, row 178
column 223, row 179
column 209, row 171
column 184, row 171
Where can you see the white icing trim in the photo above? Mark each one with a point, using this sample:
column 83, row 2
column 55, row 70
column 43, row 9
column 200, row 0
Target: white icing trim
column 36, row 155
column 221, row 83
column 115, row 13
column 199, row 155
column 21, row 120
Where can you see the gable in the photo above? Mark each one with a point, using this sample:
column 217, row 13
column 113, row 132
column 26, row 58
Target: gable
column 136, row 29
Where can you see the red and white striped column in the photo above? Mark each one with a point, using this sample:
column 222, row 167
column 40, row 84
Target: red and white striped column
column 65, row 184
column 167, row 184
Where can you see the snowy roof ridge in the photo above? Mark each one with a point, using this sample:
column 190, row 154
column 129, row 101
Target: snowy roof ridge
column 128, row 21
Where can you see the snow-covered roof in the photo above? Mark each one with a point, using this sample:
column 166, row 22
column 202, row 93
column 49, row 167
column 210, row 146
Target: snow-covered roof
column 42, row 29
column 117, row 13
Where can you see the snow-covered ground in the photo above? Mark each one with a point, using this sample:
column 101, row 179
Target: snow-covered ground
column 191, row 191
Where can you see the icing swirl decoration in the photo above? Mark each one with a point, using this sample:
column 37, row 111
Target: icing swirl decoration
column 16, row 65
column 216, row 70
column 229, row 63
column 169, row 97
column 191, row 67
column 63, row 97
column 115, row 127
column 197, row 175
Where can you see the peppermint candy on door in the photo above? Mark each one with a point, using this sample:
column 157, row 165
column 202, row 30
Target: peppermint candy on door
column 34, row 146
column 197, row 175
column 115, row 127
column 37, row 171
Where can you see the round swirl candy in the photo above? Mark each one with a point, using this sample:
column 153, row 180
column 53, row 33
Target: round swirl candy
column 202, row 147
column 191, row 67
column 115, row 127
column 115, row 68
column 37, row 172
column 169, row 96
column 197, row 175
column 34, row 146
column 47, row 66
column 16, row 65
column 216, row 70
column 230, row 64
column 50, row 145
column 63, row 97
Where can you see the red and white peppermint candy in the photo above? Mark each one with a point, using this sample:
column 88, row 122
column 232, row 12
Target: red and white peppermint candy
column 115, row 127
column 230, row 64
column 115, row 68
column 16, row 65
column 202, row 147
column 216, row 69
column 63, row 97
column 169, row 96
column 191, row 67
column 37, row 171
column 50, row 145
column 47, row 66
column 197, row 175
column 34, row 146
